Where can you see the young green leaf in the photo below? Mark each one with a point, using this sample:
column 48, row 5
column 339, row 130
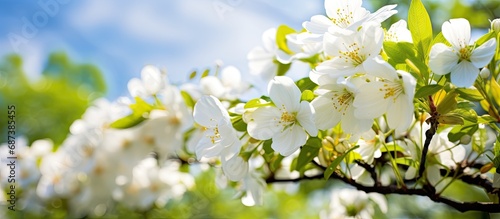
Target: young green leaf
column 428, row 90
column 127, row 121
column 469, row 94
column 205, row 73
column 308, row 152
column 307, row 95
column 281, row 41
column 282, row 68
column 333, row 166
column 187, row 99
column 420, row 27
column 306, row 84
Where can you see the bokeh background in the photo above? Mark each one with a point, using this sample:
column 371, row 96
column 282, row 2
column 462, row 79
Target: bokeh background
column 56, row 57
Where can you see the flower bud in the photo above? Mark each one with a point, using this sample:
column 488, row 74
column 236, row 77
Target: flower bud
column 465, row 139
column 484, row 73
column 495, row 25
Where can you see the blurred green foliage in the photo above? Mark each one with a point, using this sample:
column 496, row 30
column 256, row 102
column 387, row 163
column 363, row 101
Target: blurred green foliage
column 476, row 11
column 45, row 108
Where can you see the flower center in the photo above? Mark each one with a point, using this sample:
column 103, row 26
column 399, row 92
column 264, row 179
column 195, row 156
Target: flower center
column 287, row 119
column 213, row 133
column 464, row 53
column 351, row 54
column 392, row 89
column 343, row 18
column 341, row 101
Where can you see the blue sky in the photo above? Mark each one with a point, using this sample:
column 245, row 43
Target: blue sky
column 122, row 36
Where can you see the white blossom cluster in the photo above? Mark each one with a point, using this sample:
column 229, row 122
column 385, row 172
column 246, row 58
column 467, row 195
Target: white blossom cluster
column 360, row 102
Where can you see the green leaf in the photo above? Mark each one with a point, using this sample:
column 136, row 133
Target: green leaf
column 465, row 105
column 139, row 109
column 257, row 102
column 306, row 84
column 239, row 124
column 458, row 131
column 307, row 95
column 187, row 99
column 392, row 148
column 440, row 39
column 469, row 94
column 495, row 91
column 308, row 152
column 267, row 146
column 127, row 121
column 404, row 161
column 420, row 27
column 205, row 73
column 450, row 119
column 485, row 38
column 428, row 90
column 448, row 103
column 486, row 119
column 333, row 166
column 399, row 51
column 192, row 75
column 282, row 68
column 276, row 162
column 281, row 41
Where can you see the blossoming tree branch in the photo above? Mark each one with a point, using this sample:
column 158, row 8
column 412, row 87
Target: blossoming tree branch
column 388, row 111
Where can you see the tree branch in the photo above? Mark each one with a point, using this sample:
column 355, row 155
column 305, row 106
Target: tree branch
column 433, row 120
column 427, row 191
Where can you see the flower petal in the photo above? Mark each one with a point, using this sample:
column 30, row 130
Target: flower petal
column 457, row 32
column 206, row 149
column 370, row 102
column 379, row 68
column 305, row 117
column 211, row 85
column 208, row 111
column 284, row 93
column 442, row 59
column 288, row 141
column 152, row 78
column 400, row 114
column 482, row 55
column 318, row 25
column 235, row 168
column 464, row 74
column 353, row 125
column 325, row 116
column 264, row 123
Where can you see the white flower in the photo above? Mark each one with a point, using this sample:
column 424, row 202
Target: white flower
column 229, row 87
column 254, row 186
column 219, row 136
column 299, row 49
column 286, row 122
column 150, row 83
column 349, row 53
column 344, row 16
column 391, row 95
column 235, row 168
column 261, row 60
column 349, row 203
column 462, row 59
column 335, row 104
column 398, row 32
column 369, row 146
column 441, row 153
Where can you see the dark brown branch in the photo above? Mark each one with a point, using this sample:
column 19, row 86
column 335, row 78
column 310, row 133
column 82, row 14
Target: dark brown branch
column 475, row 180
column 370, row 169
column 427, row 191
column 433, row 120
